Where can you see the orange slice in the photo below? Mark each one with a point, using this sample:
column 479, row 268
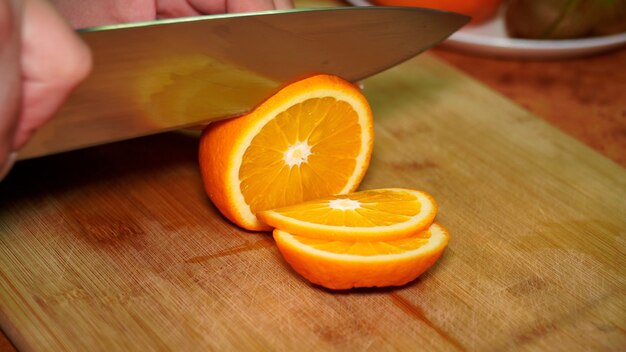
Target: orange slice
column 344, row 265
column 311, row 139
column 373, row 215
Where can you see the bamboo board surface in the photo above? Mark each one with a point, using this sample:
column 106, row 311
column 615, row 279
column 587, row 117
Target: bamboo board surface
column 117, row 247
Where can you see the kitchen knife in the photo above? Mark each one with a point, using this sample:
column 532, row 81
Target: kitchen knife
column 163, row 75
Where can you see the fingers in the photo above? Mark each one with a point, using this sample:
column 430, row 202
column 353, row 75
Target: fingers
column 283, row 4
column 185, row 8
column 237, row 6
column 257, row 5
column 89, row 13
column 180, row 8
column 54, row 61
column 7, row 164
column 10, row 80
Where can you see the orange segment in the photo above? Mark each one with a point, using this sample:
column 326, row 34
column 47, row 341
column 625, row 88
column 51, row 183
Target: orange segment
column 312, row 139
column 347, row 264
column 373, row 215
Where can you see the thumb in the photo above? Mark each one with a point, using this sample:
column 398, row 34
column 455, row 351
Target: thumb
column 54, row 61
column 10, row 80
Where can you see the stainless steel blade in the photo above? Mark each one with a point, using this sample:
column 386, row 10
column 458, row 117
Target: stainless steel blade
column 164, row 75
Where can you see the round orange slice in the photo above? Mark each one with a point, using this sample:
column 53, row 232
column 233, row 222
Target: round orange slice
column 373, row 215
column 311, row 139
column 347, row 264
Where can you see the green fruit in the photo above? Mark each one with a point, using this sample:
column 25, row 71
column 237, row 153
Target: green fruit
column 562, row 19
column 613, row 21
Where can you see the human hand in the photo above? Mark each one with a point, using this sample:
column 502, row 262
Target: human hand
column 89, row 13
column 41, row 61
column 179, row 8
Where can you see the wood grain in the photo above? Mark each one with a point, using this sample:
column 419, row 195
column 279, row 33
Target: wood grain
column 118, row 248
column 585, row 97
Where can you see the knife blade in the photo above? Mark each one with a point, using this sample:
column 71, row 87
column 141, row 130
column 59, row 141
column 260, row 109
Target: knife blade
column 164, row 75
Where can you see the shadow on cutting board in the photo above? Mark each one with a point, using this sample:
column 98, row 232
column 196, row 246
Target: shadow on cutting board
column 146, row 157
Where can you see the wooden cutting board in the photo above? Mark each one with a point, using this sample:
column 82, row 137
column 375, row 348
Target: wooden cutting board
column 117, row 247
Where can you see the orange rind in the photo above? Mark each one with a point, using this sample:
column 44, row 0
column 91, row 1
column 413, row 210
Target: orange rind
column 313, row 138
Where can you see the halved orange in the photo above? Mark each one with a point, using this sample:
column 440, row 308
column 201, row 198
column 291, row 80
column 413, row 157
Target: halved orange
column 372, row 215
column 311, row 139
column 348, row 264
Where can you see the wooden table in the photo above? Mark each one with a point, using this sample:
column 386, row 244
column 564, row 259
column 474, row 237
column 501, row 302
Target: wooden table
column 584, row 97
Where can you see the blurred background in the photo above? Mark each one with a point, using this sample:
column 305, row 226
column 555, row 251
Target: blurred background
column 563, row 60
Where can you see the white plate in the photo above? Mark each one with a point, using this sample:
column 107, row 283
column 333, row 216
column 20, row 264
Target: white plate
column 490, row 38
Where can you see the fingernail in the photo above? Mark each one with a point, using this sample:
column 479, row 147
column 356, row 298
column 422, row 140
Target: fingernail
column 8, row 164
